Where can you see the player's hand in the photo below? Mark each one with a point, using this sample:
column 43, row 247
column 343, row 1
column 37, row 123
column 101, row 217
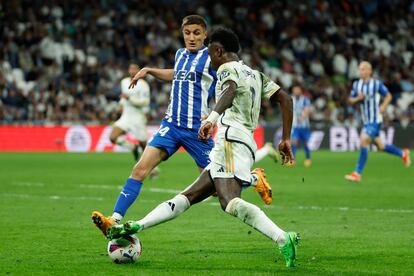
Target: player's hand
column 285, row 150
column 382, row 109
column 141, row 74
column 124, row 96
column 360, row 97
column 205, row 131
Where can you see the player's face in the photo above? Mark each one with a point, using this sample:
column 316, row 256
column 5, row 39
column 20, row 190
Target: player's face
column 133, row 70
column 215, row 51
column 365, row 71
column 194, row 36
column 296, row 91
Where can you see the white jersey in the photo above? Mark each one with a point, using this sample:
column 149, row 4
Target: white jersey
column 133, row 118
column 252, row 87
column 234, row 151
column 139, row 98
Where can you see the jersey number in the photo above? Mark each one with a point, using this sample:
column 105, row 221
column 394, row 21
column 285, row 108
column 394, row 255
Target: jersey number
column 163, row 131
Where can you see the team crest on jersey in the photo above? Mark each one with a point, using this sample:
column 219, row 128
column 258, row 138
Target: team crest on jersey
column 224, row 74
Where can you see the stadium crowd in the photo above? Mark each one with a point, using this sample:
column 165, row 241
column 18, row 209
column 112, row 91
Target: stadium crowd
column 61, row 62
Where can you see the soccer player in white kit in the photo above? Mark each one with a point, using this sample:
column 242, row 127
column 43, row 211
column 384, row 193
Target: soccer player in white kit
column 135, row 103
column 239, row 92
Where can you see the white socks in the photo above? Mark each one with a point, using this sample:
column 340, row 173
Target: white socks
column 253, row 216
column 165, row 211
column 122, row 141
column 262, row 153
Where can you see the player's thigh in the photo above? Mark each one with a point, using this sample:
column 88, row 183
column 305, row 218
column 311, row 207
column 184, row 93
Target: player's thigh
column 364, row 140
column 306, row 135
column 200, row 189
column 379, row 143
column 227, row 189
column 198, row 150
column 294, row 136
column 166, row 139
column 150, row 158
column 115, row 133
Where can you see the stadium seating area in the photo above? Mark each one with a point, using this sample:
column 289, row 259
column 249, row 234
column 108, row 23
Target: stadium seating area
column 62, row 62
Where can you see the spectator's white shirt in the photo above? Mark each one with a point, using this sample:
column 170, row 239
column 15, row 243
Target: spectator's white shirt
column 139, row 98
column 340, row 63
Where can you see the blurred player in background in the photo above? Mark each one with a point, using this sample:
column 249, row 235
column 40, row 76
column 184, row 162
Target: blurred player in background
column 301, row 127
column 193, row 84
column 239, row 93
column 367, row 92
column 133, row 120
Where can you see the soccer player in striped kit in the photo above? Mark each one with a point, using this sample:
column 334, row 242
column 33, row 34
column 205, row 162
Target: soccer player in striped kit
column 367, row 92
column 193, row 84
column 300, row 126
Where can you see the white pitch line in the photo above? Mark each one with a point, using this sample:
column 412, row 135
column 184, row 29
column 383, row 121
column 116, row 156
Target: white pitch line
column 342, row 209
column 100, row 186
column 28, row 184
column 113, row 187
column 52, row 197
column 167, row 191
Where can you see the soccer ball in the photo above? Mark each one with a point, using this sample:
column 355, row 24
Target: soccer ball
column 124, row 250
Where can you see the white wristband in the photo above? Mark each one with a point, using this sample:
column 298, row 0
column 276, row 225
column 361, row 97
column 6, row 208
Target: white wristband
column 213, row 117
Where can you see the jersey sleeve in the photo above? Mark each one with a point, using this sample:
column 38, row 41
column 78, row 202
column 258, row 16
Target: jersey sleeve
column 382, row 89
column 268, row 86
column 227, row 73
column 306, row 102
column 124, row 86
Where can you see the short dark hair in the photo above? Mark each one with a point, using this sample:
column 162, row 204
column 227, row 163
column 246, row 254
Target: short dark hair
column 194, row 19
column 227, row 38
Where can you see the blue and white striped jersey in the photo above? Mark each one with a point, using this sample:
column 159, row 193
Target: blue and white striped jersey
column 372, row 89
column 299, row 104
column 192, row 87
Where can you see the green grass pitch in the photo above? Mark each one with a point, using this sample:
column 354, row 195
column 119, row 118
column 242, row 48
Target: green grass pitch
column 346, row 228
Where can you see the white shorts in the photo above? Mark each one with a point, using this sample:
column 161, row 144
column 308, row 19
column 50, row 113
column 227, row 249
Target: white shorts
column 135, row 126
column 232, row 155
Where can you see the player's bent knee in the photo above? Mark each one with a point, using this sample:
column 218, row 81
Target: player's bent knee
column 113, row 139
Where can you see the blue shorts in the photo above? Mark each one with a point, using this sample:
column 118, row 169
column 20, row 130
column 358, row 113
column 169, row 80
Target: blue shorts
column 372, row 130
column 300, row 134
column 171, row 137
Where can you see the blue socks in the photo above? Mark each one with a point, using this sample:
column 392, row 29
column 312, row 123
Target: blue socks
column 307, row 152
column 127, row 196
column 294, row 149
column 362, row 160
column 393, row 150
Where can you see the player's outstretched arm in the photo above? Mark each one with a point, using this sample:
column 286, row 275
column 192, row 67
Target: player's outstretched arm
column 226, row 100
column 161, row 74
column 286, row 105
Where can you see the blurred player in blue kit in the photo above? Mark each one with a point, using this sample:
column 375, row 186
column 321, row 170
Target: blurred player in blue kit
column 301, row 131
column 367, row 92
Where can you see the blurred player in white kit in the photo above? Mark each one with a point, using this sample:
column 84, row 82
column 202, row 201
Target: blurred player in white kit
column 135, row 105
